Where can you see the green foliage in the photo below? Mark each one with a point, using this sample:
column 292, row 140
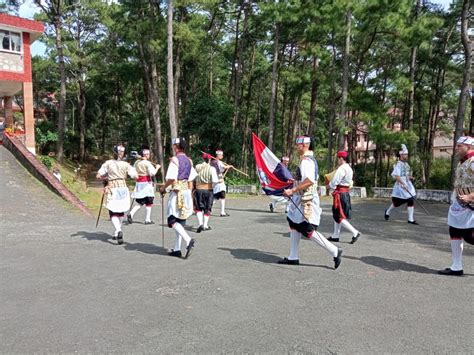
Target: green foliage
column 440, row 174
column 47, row 161
column 46, row 136
column 209, row 127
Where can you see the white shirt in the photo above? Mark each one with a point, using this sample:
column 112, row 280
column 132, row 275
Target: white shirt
column 308, row 171
column 343, row 176
column 403, row 170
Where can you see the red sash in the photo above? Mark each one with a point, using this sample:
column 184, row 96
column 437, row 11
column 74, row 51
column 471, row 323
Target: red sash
column 336, row 203
column 144, row 178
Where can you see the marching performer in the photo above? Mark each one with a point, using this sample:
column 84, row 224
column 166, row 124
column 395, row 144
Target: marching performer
column 403, row 190
column 280, row 199
column 179, row 177
column 144, row 192
column 304, row 212
column 461, row 211
column 220, row 188
column 115, row 172
column 203, row 194
column 341, row 207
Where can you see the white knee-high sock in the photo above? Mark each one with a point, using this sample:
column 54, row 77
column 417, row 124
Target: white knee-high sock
column 206, row 221
column 295, row 238
column 135, row 209
column 177, row 243
column 457, row 247
column 199, row 217
column 222, row 206
column 337, row 230
column 411, row 212
column 392, row 207
column 148, row 214
column 117, row 225
column 326, row 244
column 346, row 224
column 182, row 232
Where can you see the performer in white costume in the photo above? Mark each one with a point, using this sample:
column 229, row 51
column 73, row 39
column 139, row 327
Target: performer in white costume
column 305, row 213
column 403, row 190
column 179, row 177
column 144, row 192
column 115, row 172
column 340, row 184
column 461, row 211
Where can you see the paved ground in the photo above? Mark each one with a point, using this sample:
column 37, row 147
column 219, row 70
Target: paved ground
column 66, row 287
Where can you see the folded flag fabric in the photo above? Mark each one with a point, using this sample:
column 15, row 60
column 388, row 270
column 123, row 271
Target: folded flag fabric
column 273, row 175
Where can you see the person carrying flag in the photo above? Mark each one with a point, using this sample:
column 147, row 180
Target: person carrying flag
column 280, row 199
column 304, row 212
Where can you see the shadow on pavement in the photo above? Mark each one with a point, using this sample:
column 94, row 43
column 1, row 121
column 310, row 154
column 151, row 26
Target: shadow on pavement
column 107, row 238
column 101, row 236
column 263, row 257
column 393, row 264
column 145, row 248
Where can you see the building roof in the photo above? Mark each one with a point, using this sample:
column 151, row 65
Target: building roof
column 34, row 28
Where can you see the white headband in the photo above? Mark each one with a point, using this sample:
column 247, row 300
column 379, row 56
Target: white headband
column 404, row 150
column 219, row 152
column 465, row 140
column 145, row 151
column 120, row 148
column 285, row 158
column 175, row 141
column 303, row 140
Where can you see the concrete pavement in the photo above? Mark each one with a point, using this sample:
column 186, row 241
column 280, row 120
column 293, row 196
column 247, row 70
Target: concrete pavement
column 67, row 287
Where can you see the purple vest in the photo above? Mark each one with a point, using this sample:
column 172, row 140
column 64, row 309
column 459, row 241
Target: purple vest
column 184, row 169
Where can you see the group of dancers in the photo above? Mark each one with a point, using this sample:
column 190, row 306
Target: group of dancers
column 208, row 177
column 302, row 199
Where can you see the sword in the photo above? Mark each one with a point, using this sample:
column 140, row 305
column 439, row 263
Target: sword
column 419, row 203
column 230, row 166
column 100, row 209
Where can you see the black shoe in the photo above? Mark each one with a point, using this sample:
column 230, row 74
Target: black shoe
column 176, row 253
column 225, row 215
column 289, row 262
column 355, row 239
column 114, row 238
column 386, row 216
column 331, row 239
column 200, row 229
column 129, row 218
column 450, row 272
column 189, row 248
column 149, row 222
column 414, row 222
column 338, row 259
column 120, row 237
column 271, row 207
column 208, row 228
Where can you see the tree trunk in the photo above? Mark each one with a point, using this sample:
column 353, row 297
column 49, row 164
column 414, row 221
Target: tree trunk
column 170, row 75
column 82, row 119
column 345, row 81
column 411, row 94
column 62, row 90
column 314, row 97
column 273, row 97
column 464, row 94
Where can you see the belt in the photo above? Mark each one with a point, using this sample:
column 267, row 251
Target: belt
column 144, row 178
column 203, row 186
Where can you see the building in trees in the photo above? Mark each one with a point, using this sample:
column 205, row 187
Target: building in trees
column 16, row 36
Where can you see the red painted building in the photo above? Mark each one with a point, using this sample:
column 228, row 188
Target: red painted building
column 16, row 36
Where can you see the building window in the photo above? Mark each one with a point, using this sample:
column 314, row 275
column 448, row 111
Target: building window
column 10, row 41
